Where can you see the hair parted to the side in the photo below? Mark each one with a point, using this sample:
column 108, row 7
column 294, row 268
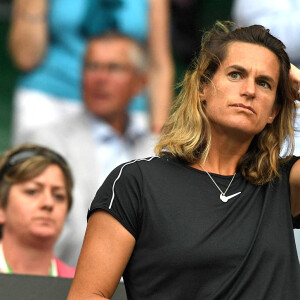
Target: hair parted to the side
column 31, row 165
column 187, row 136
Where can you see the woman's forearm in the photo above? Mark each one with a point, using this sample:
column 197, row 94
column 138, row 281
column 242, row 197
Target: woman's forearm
column 28, row 35
column 161, row 95
column 161, row 73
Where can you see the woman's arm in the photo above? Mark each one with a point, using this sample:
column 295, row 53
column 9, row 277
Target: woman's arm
column 106, row 250
column 161, row 64
column 28, row 35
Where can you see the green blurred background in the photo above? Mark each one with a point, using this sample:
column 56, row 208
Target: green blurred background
column 8, row 75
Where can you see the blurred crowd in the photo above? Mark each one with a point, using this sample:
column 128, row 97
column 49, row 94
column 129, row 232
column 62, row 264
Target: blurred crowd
column 96, row 80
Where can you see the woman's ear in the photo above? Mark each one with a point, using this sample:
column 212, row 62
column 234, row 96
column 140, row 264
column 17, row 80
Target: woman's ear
column 202, row 93
column 274, row 113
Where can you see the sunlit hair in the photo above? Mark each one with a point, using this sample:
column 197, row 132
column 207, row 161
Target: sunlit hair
column 26, row 162
column 138, row 54
column 187, row 133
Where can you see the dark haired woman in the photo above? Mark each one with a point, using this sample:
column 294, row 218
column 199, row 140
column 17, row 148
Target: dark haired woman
column 35, row 197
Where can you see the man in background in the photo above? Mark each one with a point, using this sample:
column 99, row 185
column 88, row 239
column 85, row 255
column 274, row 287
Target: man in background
column 102, row 135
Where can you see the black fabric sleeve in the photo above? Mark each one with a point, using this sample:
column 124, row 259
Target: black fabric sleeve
column 120, row 195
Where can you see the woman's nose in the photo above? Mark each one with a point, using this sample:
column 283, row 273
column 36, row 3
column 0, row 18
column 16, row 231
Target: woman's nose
column 47, row 200
column 248, row 88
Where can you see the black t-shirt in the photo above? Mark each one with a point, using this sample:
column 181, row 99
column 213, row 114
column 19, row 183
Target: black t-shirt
column 191, row 245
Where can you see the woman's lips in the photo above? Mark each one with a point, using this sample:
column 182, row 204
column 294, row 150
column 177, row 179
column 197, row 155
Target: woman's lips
column 244, row 107
column 44, row 219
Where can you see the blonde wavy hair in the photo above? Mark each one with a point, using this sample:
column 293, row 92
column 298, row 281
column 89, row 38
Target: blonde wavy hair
column 187, row 134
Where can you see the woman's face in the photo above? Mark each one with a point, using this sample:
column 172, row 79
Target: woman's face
column 241, row 97
column 37, row 208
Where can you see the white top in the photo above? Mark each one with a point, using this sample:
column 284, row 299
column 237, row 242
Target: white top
column 112, row 148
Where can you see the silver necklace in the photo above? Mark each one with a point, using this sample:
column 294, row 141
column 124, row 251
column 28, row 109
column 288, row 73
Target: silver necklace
column 223, row 197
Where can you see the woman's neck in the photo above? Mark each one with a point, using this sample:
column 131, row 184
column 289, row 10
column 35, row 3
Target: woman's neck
column 225, row 154
column 22, row 258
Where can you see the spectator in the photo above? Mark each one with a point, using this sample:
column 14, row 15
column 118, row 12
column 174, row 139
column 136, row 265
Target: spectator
column 47, row 41
column 35, row 197
column 102, row 135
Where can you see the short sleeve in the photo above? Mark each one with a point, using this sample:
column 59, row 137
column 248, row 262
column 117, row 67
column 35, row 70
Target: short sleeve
column 120, row 195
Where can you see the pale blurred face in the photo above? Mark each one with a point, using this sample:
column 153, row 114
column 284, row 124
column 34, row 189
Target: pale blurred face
column 37, row 208
column 109, row 78
column 241, row 97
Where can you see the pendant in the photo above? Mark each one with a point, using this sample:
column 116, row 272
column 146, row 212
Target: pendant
column 226, row 198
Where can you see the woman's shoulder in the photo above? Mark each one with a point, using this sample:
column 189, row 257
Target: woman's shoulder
column 148, row 163
column 138, row 168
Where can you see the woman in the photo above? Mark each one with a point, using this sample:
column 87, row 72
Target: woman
column 51, row 58
column 35, row 197
column 211, row 216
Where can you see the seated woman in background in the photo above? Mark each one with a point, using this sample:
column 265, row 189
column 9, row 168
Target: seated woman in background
column 35, row 197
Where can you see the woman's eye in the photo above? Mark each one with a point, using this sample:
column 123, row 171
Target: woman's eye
column 235, row 75
column 31, row 192
column 60, row 197
column 264, row 84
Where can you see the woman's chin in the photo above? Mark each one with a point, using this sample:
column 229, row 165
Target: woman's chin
column 45, row 234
